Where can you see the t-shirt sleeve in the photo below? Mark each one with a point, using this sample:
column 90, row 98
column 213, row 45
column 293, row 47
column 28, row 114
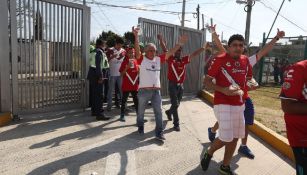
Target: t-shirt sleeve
column 293, row 83
column 214, row 67
column 253, row 60
column 186, row 59
column 249, row 71
column 123, row 65
column 162, row 58
column 139, row 61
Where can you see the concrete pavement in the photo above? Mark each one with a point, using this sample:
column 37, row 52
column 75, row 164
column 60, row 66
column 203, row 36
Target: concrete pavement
column 73, row 142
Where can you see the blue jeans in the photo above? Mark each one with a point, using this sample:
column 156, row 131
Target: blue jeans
column 154, row 95
column 112, row 81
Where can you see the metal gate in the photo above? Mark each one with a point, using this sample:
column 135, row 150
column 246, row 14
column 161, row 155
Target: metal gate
column 194, row 74
column 49, row 41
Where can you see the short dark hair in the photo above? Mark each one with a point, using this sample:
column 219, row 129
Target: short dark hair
column 234, row 37
column 119, row 40
column 99, row 42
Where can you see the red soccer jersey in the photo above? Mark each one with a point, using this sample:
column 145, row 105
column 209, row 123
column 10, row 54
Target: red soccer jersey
column 177, row 69
column 224, row 66
column 294, row 88
column 131, row 77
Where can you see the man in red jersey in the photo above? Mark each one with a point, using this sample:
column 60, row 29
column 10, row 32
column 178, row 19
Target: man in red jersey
column 294, row 104
column 176, row 76
column 230, row 70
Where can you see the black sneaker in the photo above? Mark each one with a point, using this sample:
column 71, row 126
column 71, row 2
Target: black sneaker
column 160, row 136
column 102, row 117
column 177, row 128
column 141, row 129
column 169, row 115
column 225, row 170
column 205, row 161
column 211, row 135
column 246, row 151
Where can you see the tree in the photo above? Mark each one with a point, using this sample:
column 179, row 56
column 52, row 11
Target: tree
column 109, row 36
column 129, row 37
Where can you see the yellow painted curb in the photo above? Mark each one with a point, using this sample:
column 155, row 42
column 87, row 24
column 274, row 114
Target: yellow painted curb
column 5, row 118
column 269, row 136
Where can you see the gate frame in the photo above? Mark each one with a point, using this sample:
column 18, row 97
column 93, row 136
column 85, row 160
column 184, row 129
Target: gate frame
column 85, row 41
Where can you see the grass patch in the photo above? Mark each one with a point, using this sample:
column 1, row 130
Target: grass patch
column 267, row 108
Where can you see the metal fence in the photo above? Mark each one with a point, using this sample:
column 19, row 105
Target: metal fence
column 171, row 33
column 287, row 51
column 48, row 44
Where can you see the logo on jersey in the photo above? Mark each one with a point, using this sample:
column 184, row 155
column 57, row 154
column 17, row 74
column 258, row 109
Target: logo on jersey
column 228, row 64
column 237, row 64
column 286, row 85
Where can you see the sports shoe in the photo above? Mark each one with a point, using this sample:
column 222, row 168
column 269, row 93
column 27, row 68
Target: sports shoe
column 122, row 118
column 141, row 129
column 101, row 117
column 211, row 135
column 246, row 151
column 169, row 115
column 160, row 136
column 177, row 128
column 225, row 170
column 205, row 161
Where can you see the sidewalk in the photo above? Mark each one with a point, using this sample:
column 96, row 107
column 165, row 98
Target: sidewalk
column 75, row 143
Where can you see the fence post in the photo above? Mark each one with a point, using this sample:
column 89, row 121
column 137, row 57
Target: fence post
column 305, row 52
column 261, row 62
column 5, row 95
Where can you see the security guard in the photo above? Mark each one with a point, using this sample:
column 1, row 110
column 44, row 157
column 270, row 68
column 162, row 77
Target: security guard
column 96, row 77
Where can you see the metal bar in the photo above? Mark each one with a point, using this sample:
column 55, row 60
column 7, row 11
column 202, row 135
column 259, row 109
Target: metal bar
column 58, row 53
column 61, row 62
column 43, row 57
column 69, row 56
column 53, row 54
column 30, row 54
column 39, row 53
column 5, row 95
column 46, row 56
column 78, row 51
column 24, row 82
column 74, row 36
column 13, row 50
column 49, row 56
column 65, row 55
column 34, row 55
column 20, row 56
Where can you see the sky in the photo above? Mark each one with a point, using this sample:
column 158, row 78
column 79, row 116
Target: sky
column 228, row 15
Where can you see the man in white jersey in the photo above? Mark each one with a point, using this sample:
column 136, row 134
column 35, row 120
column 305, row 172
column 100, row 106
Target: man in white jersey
column 149, row 85
column 116, row 58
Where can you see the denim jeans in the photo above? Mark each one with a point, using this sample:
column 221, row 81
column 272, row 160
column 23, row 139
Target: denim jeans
column 112, row 81
column 153, row 95
column 175, row 93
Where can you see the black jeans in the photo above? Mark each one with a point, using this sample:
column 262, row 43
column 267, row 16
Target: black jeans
column 124, row 101
column 300, row 155
column 96, row 96
column 175, row 92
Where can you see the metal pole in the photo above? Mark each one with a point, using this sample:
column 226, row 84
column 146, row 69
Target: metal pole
column 305, row 53
column 274, row 22
column 183, row 13
column 84, row 2
column 197, row 11
column 261, row 63
column 248, row 22
column 203, row 21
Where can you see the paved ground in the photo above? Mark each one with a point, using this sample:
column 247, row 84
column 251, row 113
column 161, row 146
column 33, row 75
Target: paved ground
column 73, row 142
